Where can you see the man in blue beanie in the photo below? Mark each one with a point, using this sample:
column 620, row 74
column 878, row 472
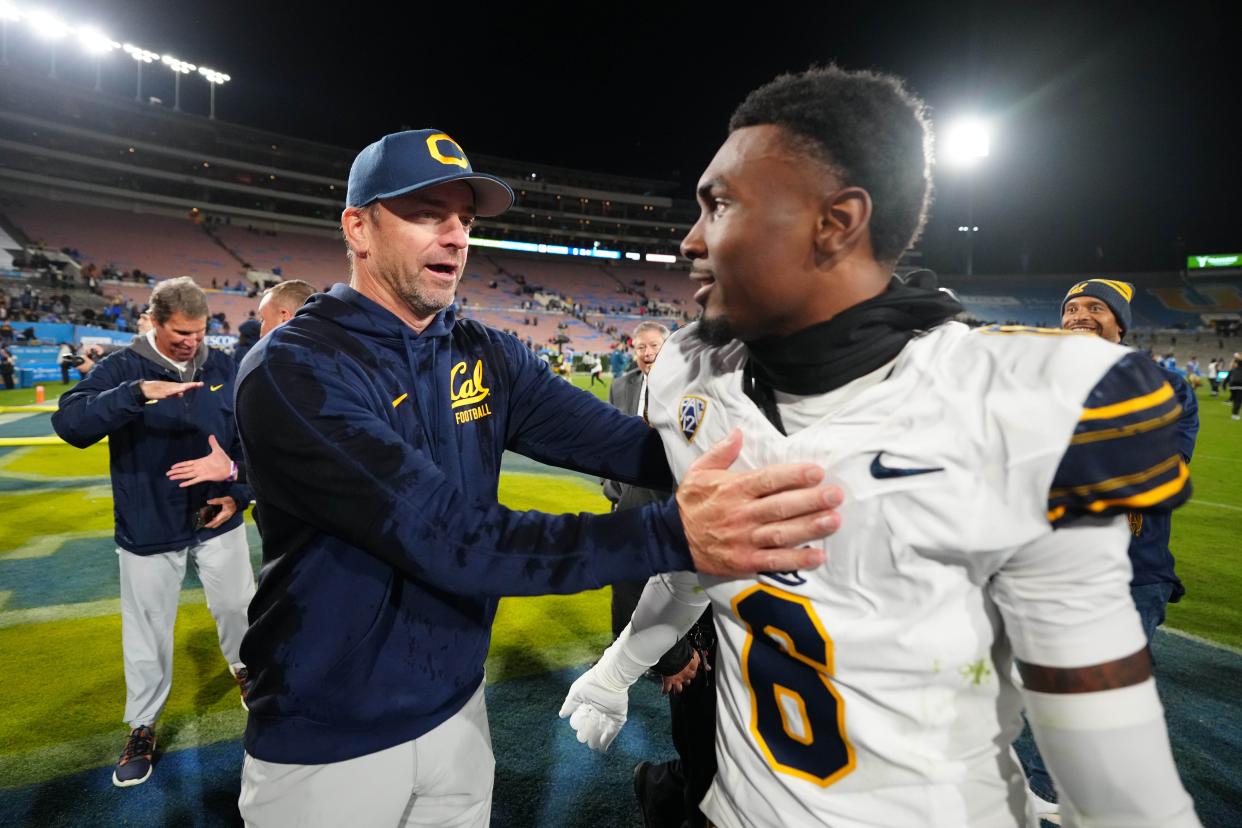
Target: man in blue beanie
column 1102, row 307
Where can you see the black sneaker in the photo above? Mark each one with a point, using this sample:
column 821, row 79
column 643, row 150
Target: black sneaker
column 134, row 766
column 242, row 675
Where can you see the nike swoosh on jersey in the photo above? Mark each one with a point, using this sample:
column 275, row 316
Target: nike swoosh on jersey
column 882, row 472
column 217, row 387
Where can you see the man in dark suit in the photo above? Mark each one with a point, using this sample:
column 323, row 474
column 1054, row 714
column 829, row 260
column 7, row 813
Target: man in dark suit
column 628, row 393
column 668, row 792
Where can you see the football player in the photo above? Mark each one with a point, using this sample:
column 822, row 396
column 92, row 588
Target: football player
column 986, row 475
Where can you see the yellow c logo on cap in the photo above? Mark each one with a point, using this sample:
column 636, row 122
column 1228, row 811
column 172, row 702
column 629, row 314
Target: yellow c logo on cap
column 433, row 147
column 1124, row 288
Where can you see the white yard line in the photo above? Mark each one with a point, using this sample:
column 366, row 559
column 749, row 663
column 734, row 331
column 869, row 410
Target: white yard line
column 1204, row 641
column 1194, row 501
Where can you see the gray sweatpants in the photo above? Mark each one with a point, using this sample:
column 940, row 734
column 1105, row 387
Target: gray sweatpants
column 150, row 593
column 442, row 779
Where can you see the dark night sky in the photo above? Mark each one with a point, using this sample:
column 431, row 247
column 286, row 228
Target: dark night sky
column 1113, row 124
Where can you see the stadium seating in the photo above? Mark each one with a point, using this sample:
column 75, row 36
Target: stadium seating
column 318, row 259
column 160, row 245
column 496, row 284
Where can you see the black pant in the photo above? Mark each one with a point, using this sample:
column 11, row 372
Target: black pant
column 1237, row 402
column 625, row 596
column 669, row 793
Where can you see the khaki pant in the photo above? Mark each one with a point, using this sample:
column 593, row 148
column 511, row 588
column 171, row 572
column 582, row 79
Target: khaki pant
column 443, row 778
column 150, row 594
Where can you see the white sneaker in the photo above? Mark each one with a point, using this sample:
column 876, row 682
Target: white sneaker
column 1044, row 810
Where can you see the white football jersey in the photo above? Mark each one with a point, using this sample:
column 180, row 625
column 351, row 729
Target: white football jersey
column 876, row 690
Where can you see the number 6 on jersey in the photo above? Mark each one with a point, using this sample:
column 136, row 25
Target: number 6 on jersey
column 797, row 717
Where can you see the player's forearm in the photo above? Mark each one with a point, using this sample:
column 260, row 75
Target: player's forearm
column 1109, row 754
column 667, row 609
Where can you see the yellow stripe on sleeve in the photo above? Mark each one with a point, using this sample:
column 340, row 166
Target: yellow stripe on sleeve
column 1107, row 412
column 1119, row 482
column 400, row 399
column 1149, row 498
column 1126, row 431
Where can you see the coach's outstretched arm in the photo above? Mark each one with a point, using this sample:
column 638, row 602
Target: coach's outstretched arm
column 318, row 452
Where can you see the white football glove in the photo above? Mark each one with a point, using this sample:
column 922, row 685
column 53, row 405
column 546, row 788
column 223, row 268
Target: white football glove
column 597, row 710
column 598, row 702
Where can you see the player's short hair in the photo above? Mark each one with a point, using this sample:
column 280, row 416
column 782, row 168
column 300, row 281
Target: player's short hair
column 869, row 130
column 643, row 327
column 290, row 294
column 180, row 295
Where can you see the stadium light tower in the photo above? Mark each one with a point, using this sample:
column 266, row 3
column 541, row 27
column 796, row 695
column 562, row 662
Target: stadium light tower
column 96, row 44
column 179, row 68
column 214, row 79
column 966, row 143
column 47, row 26
column 140, row 57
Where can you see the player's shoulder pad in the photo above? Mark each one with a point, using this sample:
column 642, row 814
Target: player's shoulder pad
column 1124, row 454
column 1041, row 367
column 685, row 357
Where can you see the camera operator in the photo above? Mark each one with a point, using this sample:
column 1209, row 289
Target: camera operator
column 67, row 359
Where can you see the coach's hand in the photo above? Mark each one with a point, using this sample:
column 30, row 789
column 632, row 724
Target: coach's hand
column 159, row 389
column 739, row 523
column 214, row 467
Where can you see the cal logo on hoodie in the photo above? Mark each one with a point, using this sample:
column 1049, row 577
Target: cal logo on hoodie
column 467, row 391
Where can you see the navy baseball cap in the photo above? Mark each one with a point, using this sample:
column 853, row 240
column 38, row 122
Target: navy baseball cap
column 403, row 162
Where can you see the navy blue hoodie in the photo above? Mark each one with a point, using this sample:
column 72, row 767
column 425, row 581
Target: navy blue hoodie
column 145, row 438
column 1149, row 545
column 375, row 453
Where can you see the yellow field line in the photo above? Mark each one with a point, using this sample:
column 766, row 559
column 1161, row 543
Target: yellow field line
column 50, row 440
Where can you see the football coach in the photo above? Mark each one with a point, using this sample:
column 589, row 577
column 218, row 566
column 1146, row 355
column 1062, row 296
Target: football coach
column 374, row 423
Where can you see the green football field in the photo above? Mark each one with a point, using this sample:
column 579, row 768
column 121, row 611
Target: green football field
column 59, row 611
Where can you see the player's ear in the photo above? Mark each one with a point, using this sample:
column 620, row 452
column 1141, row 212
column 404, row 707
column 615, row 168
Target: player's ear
column 844, row 219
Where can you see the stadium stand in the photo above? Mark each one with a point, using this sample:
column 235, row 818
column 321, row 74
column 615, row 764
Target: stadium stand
column 318, row 259
column 160, row 245
column 141, row 187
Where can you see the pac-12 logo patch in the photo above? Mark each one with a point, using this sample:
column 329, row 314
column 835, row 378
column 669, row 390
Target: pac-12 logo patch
column 691, row 415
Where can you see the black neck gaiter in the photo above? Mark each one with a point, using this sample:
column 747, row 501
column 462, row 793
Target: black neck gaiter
column 853, row 343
